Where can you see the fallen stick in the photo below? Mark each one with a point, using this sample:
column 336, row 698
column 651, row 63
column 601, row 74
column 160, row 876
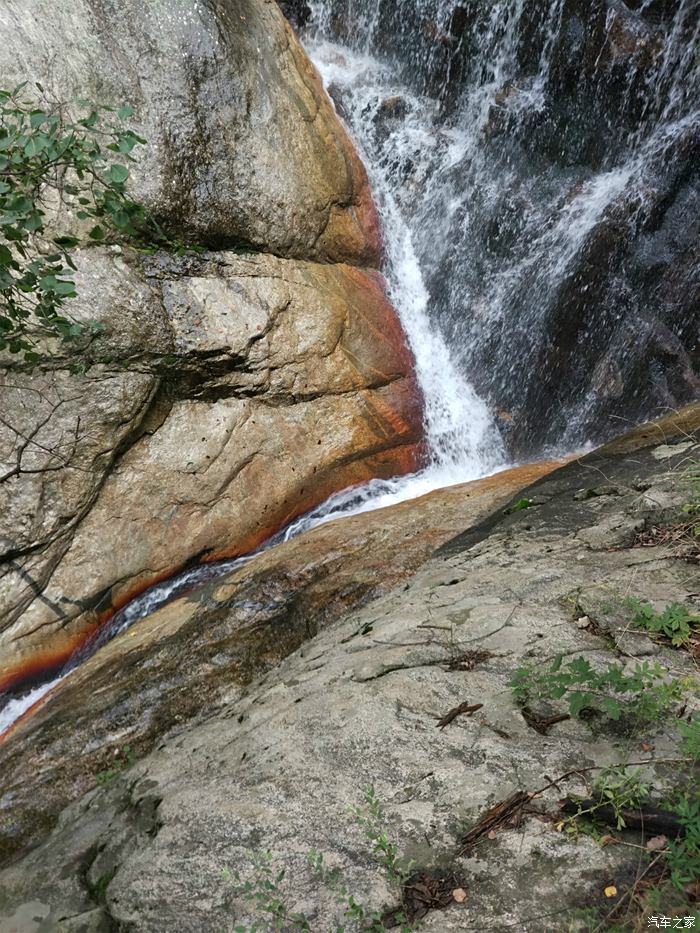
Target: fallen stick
column 464, row 709
column 504, row 813
column 542, row 724
column 649, row 820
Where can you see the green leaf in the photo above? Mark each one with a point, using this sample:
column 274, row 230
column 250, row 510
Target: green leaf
column 122, row 220
column 518, row 507
column 611, row 707
column 50, row 283
column 581, row 667
column 68, row 242
column 125, row 112
column 118, row 173
column 579, row 702
column 97, row 233
column 34, row 222
column 37, row 117
column 34, row 146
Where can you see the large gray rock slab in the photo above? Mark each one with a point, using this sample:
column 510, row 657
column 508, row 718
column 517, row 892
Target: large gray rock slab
column 275, row 764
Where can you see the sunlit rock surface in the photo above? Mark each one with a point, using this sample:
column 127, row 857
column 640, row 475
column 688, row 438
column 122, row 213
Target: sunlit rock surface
column 253, row 388
column 240, row 749
column 231, row 391
column 243, row 144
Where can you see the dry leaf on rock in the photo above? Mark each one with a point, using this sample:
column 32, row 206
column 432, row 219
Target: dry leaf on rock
column 657, row 843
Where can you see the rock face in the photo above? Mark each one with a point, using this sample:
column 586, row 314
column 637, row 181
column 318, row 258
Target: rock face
column 243, row 142
column 230, row 391
column 298, row 12
column 185, row 658
column 280, row 750
column 257, row 386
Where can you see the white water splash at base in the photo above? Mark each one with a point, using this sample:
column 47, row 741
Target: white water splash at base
column 17, row 707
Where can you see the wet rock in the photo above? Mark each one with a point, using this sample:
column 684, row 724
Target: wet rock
column 603, row 62
column 336, row 95
column 298, row 12
column 392, row 108
column 462, row 20
column 355, row 705
column 260, row 386
column 388, row 115
column 624, row 322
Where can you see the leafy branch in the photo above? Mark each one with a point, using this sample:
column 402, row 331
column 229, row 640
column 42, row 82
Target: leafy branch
column 675, row 621
column 50, row 161
column 643, row 693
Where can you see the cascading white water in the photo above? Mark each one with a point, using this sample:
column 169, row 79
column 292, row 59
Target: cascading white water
column 461, row 433
column 508, row 137
column 520, row 153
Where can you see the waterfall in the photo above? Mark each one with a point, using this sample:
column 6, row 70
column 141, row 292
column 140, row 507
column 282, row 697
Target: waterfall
column 535, row 164
column 522, row 152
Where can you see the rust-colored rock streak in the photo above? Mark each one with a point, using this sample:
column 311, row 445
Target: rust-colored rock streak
column 336, row 565
column 325, row 399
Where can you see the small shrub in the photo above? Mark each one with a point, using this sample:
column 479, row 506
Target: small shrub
column 692, row 506
column 519, row 506
column 642, row 695
column 372, row 821
column 690, row 738
column 83, row 162
column 123, row 760
column 265, row 893
column 619, row 788
column 675, row 621
column 684, row 853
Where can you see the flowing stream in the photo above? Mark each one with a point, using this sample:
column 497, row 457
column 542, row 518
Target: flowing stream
column 499, row 172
